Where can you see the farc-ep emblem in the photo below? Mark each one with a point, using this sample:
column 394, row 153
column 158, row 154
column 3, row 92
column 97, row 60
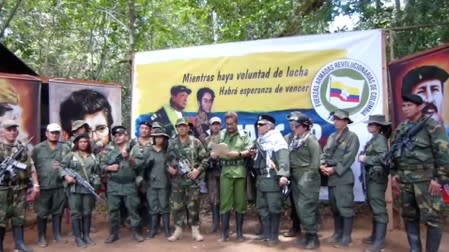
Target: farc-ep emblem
column 345, row 84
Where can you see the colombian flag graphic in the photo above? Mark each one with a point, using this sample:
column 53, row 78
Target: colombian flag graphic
column 344, row 92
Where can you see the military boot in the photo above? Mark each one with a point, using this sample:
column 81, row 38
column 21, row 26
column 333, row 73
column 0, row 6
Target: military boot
column 266, row 227
column 112, row 238
column 2, row 237
column 18, row 238
column 166, row 225
column 274, row 229
column 433, row 238
column 413, row 236
column 225, row 227
column 42, row 232
column 379, row 238
column 87, row 221
column 176, row 235
column 137, row 234
column 215, row 218
column 370, row 239
column 239, row 226
column 56, row 224
column 154, row 225
column 338, row 229
column 76, row 230
column 196, row 235
column 261, row 230
column 310, row 242
column 346, row 239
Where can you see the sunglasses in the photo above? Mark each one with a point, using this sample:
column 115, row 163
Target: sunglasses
column 261, row 124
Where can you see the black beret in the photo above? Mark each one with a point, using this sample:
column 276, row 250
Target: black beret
column 78, row 137
column 304, row 120
column 265, row 117
column 416, row 99
column 421, row 74
column 118, row 129
column 179, row 88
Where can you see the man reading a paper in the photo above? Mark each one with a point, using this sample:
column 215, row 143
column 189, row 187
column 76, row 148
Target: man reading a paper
column 233, row 174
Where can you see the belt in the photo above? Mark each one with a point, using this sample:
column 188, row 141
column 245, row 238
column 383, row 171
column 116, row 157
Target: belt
column 263, row 171
column 123, row 180
column 234, row 162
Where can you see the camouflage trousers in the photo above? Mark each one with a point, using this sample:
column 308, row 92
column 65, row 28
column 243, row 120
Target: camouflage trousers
column 417, row 204
column 12, row 206
column 183, row 197
column 50, row 202
column 213, row 184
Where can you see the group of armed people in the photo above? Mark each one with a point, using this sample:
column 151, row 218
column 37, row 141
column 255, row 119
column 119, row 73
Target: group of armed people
column 170, row 170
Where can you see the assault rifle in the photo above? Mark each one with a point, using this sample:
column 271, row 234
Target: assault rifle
column 286, row 191
column 182, row 165
column 404, row 141
column 10, row 164
column 81, row 181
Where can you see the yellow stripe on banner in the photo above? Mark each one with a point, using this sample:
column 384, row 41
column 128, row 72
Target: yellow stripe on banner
column 342, row 86
column 253, row 82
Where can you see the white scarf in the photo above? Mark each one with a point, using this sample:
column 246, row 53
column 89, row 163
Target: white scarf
column 270, row 142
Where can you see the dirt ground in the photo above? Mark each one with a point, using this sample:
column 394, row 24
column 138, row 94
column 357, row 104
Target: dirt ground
column 396, row 240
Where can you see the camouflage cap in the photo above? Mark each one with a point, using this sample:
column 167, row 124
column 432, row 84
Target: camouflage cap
column 182, row 121
column 420, row 74
column 341, row 114
column 78, row 124
column 159, row 132
column 156, row 125
column 294, row 115
column 179, row 88
column 8, row 123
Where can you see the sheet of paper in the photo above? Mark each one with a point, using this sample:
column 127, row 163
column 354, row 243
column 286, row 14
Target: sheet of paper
column 220, row 150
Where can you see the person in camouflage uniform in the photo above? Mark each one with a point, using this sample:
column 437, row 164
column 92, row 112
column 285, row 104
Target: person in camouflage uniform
column 233, row 175
column 81, row 201
column 273, row 168
column 47, row 156
column 304, row 168
column 121, row 171
column 213, row 173
column 377, row 179
column 421, row 168
column 13, row 190
column 157, row 181
column 295, row 229
column 187, row 159
column 338, row 155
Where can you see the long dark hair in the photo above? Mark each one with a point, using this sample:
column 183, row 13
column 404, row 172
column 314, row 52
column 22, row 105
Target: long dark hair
column 75, row 143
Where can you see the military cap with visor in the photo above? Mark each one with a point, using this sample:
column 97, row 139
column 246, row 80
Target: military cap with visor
column 420, row 74
column 180, row 88
column 8, row 123
column 81, row 136
column 265, row 118
column 294, row 115
column 183, row 121
column 118, row 129
column 341, row 114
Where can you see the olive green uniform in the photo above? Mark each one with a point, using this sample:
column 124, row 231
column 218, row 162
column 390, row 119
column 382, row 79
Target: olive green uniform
column 185, row 191
column 304, row 169
column 81, row 201
column 426, row 159
column 157, row 182
column 341, row 152
column 375, row 151
column 52, row 196
column 121, row 188
column 233, row 174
